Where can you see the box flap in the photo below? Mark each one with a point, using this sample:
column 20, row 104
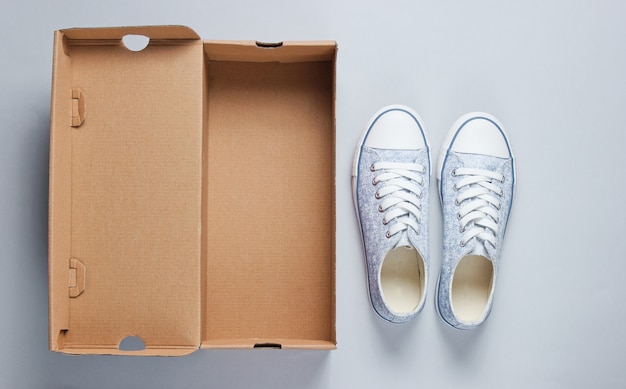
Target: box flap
column 125, row 192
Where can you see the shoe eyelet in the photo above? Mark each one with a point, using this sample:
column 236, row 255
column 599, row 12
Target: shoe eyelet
column 498, row 207
column 454, row 173
column 377, row 195
column 380, row 208
column 455, row 188
column 502, row 180
column 456, row 201
column 372, row 168
column 458, row 216
column 387, row 235
column 462, row 243
column 374, row 182
column 501, row 193
column 385, row 222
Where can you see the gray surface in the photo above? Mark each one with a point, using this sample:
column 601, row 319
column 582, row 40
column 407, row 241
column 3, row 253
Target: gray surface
column 553, row 73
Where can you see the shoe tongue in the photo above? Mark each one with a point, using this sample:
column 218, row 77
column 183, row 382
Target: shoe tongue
column 404, row 240
column 480, row 249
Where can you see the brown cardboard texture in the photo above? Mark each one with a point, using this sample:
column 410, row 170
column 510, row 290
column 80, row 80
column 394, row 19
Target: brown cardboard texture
column 191, row 193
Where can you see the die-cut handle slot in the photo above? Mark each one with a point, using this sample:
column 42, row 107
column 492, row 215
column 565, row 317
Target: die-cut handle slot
column 135, row 42
column 269, row 45
column 268, row 345
column 132, row 343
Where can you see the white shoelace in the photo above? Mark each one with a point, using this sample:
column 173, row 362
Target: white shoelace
column 401, row 194
column 478, row 204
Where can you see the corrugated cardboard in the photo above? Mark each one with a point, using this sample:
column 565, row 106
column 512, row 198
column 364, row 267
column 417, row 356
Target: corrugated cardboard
column 191, row 193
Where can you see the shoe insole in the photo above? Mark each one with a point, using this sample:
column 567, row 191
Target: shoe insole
column 471, row 287
column 402, row 279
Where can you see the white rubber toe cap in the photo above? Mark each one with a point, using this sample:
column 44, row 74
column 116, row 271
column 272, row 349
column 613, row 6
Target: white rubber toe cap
column 480, row 133
column 396, row 127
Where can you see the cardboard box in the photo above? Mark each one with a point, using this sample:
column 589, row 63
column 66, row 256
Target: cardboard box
column 192, row 193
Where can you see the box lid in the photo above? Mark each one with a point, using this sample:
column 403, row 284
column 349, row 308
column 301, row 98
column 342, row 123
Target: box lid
column 125, row 190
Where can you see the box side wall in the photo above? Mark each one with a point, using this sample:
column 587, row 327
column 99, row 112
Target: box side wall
column 333, row 310
column 168, row 33
column 273, row 343
column 59, row 216
column 270, row 201
column 285, row 52
column 205, row 188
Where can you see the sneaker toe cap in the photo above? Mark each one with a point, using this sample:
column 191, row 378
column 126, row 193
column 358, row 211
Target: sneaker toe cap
column 481, row 134
column 396, row 128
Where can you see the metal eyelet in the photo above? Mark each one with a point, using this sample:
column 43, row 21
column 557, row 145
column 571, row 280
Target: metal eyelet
column 454, row 173
column 388, row 235
column 374, row 182
column 385, row 222
column 458, row 216
column 372, row 168
column 463, row 243
column 380, row 209
column 377, row 195
column 456, row 201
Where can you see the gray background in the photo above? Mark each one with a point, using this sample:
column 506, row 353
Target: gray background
column 551, row 71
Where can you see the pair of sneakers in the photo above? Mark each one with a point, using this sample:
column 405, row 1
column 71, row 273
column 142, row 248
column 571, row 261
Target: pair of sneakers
column 391, row 184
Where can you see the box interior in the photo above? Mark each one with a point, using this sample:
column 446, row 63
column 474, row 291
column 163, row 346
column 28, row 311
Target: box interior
column 269, row 200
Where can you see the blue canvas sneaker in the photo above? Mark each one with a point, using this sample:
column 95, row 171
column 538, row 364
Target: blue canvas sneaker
column 390, row 182
column 476, row 176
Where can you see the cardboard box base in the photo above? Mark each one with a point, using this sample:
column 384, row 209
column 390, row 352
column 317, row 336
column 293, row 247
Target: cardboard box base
column 191, row 193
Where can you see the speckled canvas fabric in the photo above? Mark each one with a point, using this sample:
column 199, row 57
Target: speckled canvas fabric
column 376, row 244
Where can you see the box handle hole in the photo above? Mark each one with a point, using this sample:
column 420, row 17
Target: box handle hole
column 135, row 42
column 132, row 343
column 268, row 345
column 269, row 45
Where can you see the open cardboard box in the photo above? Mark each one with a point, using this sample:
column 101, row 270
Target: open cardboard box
column 192, row 193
